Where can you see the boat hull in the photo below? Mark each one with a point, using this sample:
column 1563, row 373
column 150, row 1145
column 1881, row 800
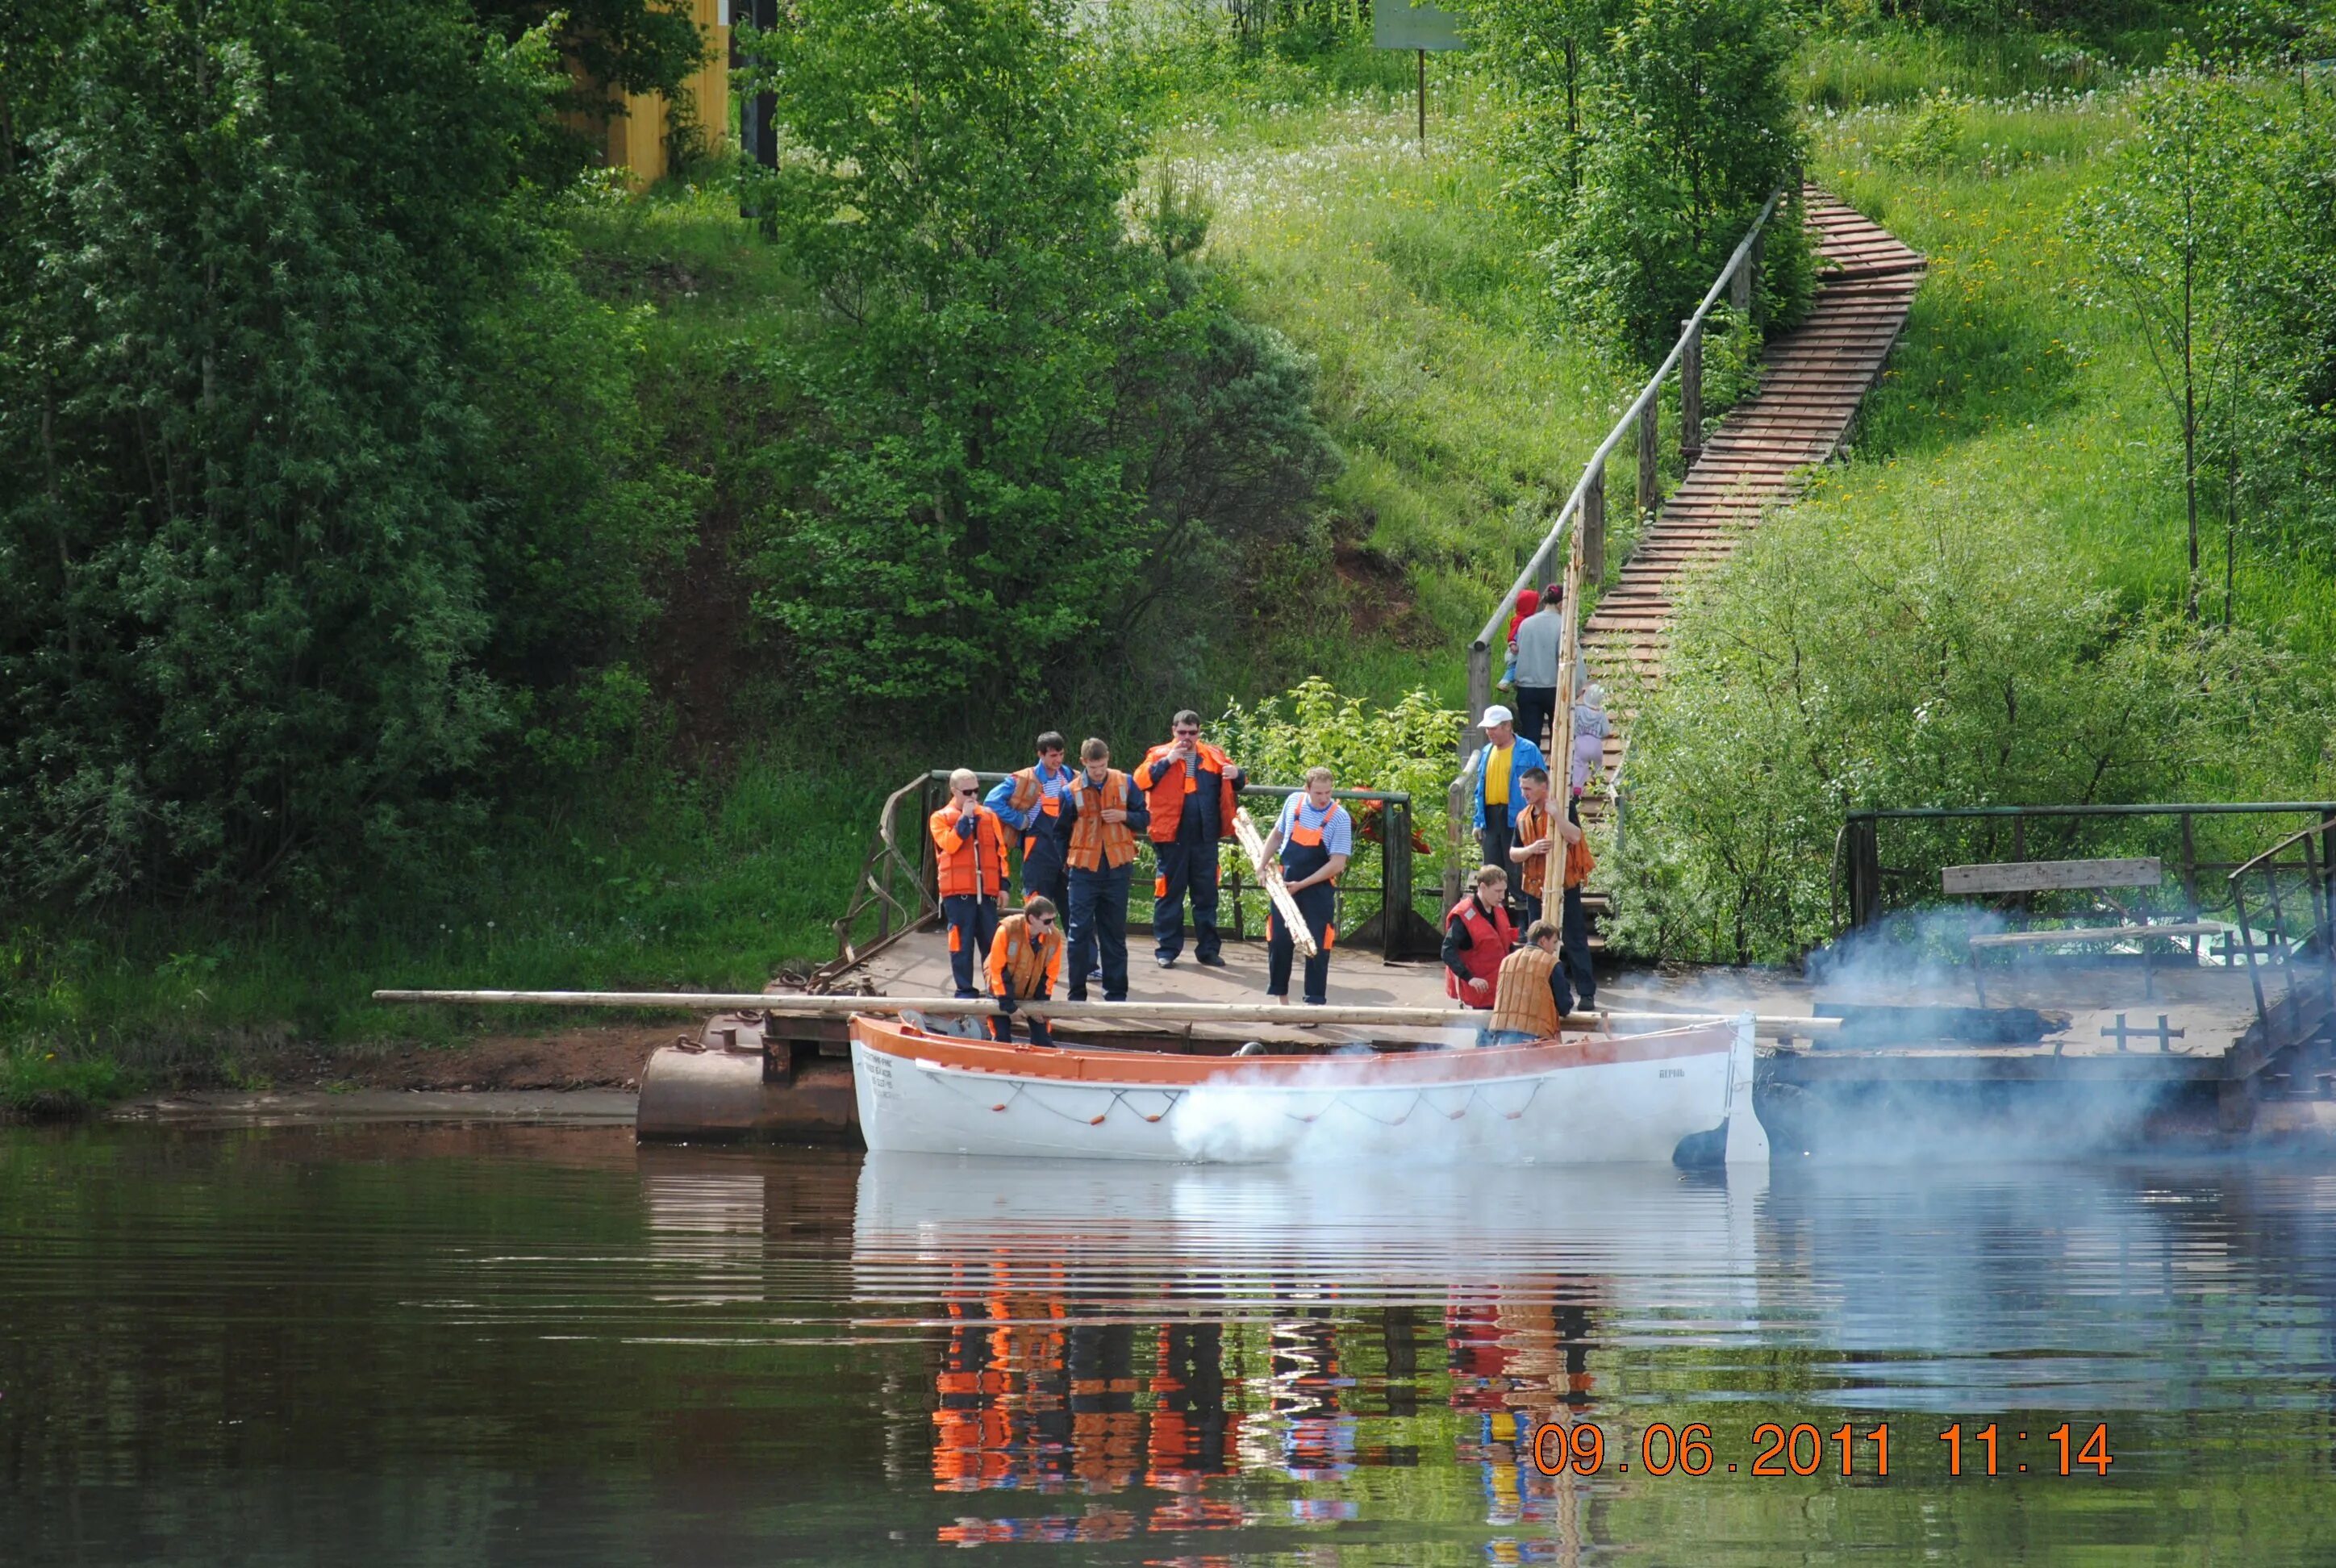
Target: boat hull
column 1582, row 1101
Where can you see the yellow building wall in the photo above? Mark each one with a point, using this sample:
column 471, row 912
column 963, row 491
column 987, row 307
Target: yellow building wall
column 637, row 133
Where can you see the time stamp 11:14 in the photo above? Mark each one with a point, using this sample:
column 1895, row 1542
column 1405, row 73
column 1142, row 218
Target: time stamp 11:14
column 1580, row 1449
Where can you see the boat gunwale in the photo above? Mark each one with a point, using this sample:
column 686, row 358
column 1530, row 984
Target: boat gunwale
column 1050, row 1064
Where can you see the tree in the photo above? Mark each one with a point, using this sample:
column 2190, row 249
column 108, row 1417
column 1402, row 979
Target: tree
column 621, row 45
column 2169, row 224
column 259, row 534
column 1016, row 408
column 1685, row 126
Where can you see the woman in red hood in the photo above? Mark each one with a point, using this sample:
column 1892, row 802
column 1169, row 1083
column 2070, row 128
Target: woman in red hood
column 1528, row 601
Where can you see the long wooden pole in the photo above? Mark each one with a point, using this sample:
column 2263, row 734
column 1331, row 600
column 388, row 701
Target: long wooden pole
column 1268, row 876
column 797, row 1005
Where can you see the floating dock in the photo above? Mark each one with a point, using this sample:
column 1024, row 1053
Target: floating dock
column 2067, row 1054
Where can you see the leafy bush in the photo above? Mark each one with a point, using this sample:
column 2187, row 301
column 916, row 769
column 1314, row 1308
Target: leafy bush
column 1407, row 748
column 1650, row 140
column 1028, row 424
column 272, row 268
column 1937, row 660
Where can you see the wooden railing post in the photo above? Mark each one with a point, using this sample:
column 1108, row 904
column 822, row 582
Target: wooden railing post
column 1752, row 272
column 1395, row 878
column 1480, row 680
column 1593, row 526
column 1864, row 870
column 1651, row 452
column 1739, row 283
column 1691, row 393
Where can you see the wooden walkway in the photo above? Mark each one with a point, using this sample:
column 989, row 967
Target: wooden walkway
column 1813, row 379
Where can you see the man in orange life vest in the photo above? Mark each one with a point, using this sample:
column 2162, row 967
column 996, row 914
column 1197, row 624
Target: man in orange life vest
column 1541, row 839
column 970, row 848
column 1030, row 803
column 1026, row 960
column 1314, row 837
column 1101, row 812
column 1477, row 937
column 1190, row 788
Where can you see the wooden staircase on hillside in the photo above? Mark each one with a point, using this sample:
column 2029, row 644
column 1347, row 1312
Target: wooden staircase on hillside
column 1813, row 379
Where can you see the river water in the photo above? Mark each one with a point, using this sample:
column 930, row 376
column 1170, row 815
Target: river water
column 375, row 1345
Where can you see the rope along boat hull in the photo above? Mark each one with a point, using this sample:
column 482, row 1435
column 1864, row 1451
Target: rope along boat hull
column 1584, row 1101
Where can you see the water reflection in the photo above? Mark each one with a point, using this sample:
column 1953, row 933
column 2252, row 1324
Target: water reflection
column 517, row 1346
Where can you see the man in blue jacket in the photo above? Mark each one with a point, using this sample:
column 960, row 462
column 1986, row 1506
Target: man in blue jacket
column 1498, row 771
column 1031, row 803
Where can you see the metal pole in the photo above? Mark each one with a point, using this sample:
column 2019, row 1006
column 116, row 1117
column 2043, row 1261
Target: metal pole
column 1423, row 103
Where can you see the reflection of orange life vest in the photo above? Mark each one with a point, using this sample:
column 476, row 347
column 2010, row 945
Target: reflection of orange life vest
column 1532, row 826
column 1165, row 783
column 1095, row 841
column 1028, row 961
column 1489, row 942
column 973, row 861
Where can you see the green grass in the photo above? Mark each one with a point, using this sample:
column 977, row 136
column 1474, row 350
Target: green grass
column 2008, row 390
column 1464, row 411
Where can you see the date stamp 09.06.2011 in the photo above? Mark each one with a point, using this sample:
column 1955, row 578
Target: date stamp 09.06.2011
column 1775, row 1449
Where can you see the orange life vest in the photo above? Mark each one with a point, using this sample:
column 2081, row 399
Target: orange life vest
column 1520, row 995
column 1029, row 962
column 1028, row 792
column 1490, row 938
column 975, row 862
column 1095, row 841
column 1166, row 782
column 1579, row 861
column 1532, row 826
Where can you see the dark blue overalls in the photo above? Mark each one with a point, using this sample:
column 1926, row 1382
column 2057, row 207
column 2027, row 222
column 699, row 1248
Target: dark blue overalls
column 1301, row 857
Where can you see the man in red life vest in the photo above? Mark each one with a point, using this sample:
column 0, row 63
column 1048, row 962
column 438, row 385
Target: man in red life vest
column 1101, row 813
column 969, row 849
column 1030, row 803
column 1191, row 789
column 1477, row 936
column 1314, row 837
column 1026, row 960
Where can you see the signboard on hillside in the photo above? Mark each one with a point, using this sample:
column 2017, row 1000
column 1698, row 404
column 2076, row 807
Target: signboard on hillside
column 1396, row 25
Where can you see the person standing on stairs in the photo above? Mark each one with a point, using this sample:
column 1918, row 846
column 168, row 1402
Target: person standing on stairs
column 1540, row 638
column 1528, row 601
column 1314, row 838
column 970, row 855
column 1573, row 921
column 1495, row 770
column 1191, row 790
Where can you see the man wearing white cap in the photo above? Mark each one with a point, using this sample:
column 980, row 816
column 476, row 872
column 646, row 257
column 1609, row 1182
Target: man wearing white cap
column 1495, row 770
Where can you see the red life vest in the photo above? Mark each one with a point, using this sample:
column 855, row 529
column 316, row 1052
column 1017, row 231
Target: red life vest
column 1489, row 942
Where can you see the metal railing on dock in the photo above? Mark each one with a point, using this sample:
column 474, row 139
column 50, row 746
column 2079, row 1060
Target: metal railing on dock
column 2199, row 841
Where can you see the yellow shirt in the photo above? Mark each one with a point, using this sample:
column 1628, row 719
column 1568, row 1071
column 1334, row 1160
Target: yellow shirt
column 1497, row 776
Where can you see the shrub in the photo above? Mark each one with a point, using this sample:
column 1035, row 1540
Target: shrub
column 1940, row 660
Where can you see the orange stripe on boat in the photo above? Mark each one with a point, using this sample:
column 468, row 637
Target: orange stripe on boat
column 1390, row 1069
